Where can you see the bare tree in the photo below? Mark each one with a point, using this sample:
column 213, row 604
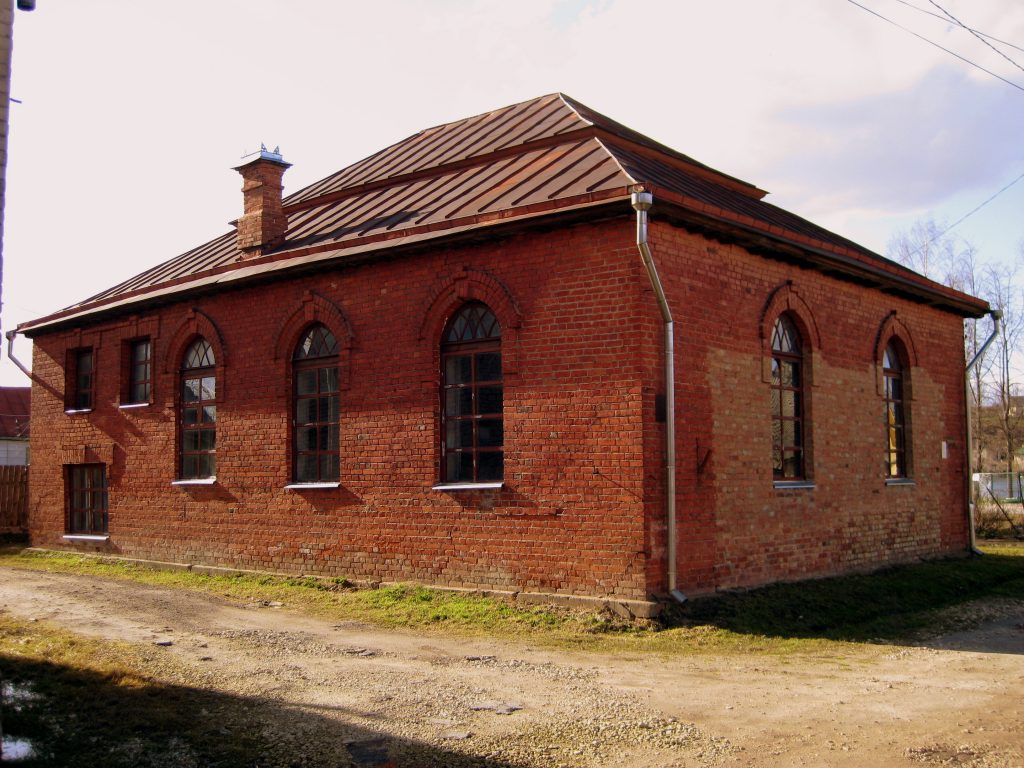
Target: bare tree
column 928, row 249
column 1007, row 405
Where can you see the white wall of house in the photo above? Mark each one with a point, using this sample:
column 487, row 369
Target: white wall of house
column 13, row 452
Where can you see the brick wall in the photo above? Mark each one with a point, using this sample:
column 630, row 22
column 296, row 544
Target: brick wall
column 736, row 528
column 570, row 518
column 582, row 510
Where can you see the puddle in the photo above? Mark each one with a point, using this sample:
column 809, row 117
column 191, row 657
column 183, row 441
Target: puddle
column 16, row 749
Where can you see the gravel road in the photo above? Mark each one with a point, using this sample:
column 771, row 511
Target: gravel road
column 351, row 694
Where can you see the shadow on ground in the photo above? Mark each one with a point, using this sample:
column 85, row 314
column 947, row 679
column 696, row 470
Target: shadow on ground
column 71, row 717
column 917, row 604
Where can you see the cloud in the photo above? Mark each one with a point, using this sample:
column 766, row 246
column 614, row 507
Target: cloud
column 898, row 151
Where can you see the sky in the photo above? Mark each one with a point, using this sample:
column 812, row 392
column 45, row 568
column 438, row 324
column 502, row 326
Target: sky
column 130, row 115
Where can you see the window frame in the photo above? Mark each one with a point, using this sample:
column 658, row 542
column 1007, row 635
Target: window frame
column 473, row 348
column 797, row 414
column 321, row 364
column 894, row 395
column 79, row 398
column 131, row 381
column 201, row 425
column 78, row 486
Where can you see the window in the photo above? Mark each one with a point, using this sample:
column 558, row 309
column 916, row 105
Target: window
column 895, row 413
column 81, row 380
column 472, row 431
column 198, row 412
column 315, row 372
column 87, row 498
column 787, row 402
column 140, row 371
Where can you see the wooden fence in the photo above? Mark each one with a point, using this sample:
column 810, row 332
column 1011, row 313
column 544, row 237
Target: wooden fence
column 13, row 499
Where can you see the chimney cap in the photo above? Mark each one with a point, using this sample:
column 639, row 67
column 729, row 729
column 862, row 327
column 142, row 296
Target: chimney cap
column 273, row 155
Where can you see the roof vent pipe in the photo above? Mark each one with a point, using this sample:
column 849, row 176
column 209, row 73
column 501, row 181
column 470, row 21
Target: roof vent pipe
column 642, row 202
column 997, row 316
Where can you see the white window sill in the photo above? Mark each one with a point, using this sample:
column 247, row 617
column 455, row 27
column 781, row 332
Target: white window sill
column 900, row 481
column 86, row 537
column 130, row 406
column 468, row 486
column 310, row 486
column 196, row 481
column 75, row 411
column 785, row 485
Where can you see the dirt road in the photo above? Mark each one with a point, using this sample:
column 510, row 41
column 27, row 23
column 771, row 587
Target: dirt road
column 958, row 701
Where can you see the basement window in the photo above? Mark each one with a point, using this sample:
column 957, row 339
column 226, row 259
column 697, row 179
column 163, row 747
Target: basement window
column 86, row 499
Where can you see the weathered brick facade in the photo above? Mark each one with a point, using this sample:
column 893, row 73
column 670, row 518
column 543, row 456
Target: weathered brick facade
column 581, row 509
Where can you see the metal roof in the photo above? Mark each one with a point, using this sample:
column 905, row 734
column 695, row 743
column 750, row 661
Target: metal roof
column 541, row 156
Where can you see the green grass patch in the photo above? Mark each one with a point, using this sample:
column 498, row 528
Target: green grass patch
column 897, row 605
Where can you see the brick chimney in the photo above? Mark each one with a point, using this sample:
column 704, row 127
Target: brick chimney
column 263, row 222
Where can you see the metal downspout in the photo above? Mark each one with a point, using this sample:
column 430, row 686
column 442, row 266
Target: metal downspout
column 996, row 316
column 10, row 355
column 642, row 202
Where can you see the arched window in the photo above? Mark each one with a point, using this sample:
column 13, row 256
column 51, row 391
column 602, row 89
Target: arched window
column 198, row 412
column 316, row 406
column 787, row 401
column 472, row 433
column 895, row 413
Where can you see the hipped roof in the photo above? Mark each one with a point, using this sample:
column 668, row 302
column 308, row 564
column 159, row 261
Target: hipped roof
column 540, row 158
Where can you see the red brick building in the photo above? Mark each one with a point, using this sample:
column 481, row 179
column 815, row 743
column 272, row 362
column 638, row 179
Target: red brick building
column 446, row 364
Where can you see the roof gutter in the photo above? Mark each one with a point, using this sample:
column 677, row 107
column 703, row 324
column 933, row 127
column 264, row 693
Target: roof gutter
column 642, row 202
column 996, row 316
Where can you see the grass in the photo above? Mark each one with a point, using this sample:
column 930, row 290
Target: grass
column 897, row 604
column 87, row 702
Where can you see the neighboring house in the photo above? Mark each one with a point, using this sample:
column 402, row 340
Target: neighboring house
column 445, row 364
column 15, row 407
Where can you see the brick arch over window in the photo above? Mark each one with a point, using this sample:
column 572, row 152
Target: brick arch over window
column 313, row 309
column 467, row 285
column 197, row 323
column 893, row 327
column 786, row 300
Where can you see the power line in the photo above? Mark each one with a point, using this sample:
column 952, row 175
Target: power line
column 966, row 216
column 978, row 208
column 986, row 42
column 931, row 42
column 925, row 11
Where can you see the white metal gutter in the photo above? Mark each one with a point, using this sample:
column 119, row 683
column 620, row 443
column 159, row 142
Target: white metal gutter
column 996, row 316
column 642, row 202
